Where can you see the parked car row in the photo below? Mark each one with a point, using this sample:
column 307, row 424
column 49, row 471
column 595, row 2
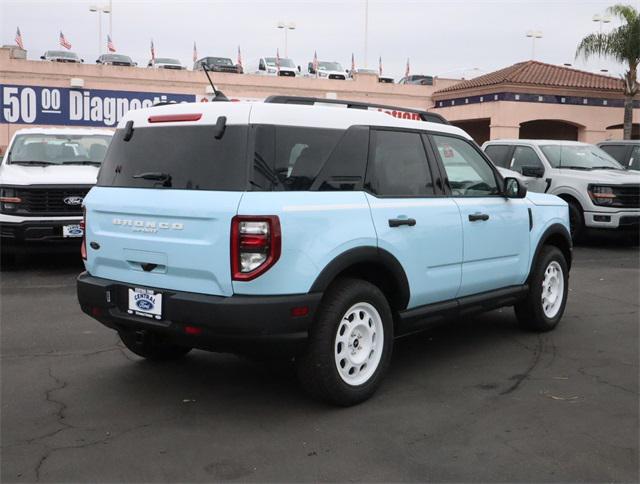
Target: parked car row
column 267, row 66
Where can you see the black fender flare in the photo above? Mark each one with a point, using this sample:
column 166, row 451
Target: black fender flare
column 368, row 254
column 554, row 231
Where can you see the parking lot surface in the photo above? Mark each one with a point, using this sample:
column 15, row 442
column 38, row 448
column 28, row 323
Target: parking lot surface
column 476, row 400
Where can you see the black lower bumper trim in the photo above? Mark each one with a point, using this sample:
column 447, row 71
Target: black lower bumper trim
column 225, row 323
column 37, row 231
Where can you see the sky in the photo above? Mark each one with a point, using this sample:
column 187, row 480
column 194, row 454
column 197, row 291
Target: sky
column 448, row 38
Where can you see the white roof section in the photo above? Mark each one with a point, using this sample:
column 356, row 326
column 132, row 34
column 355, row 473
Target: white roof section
column 63, row 131
column 332, row 117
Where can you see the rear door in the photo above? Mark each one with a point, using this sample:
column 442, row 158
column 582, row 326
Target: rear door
column 412, row 218
column 495, row 228
column 161, row 213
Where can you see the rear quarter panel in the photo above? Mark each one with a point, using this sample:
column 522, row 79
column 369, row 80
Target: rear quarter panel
column 316, row 228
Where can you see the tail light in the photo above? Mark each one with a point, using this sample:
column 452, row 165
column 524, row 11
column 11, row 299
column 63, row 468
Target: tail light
column 255, row 245
column 83, row 226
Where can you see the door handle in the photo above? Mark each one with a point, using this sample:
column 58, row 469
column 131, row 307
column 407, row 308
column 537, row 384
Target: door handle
column 397, row 222
column 474, row 217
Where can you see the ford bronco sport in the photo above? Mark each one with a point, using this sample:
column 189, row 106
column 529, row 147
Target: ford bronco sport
column 318, row 232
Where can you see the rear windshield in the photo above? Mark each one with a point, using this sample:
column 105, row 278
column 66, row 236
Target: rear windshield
column 179, row 157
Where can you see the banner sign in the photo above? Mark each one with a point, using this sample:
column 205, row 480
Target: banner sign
column 75, row 107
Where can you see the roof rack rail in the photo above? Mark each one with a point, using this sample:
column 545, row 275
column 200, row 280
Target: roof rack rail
column 395, row 111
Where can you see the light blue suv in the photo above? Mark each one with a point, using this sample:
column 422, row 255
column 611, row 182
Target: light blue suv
column 311, row 231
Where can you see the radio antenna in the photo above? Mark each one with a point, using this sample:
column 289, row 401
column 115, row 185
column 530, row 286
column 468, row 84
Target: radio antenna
column 217, row 95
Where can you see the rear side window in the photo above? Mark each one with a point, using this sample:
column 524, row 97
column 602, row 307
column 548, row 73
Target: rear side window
column 398, row 165
column 499, row 154
column 288, row 158
column 619, row 152
column 182, row 157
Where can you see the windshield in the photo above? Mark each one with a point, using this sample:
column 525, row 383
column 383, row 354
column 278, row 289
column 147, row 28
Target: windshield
column 166, row 60
column 367, row 71
column 58, row 149
column 219, row 61
column 271, row 62
column 329, row 66
column 117, row 58
column 61, row 53
column 579, row 157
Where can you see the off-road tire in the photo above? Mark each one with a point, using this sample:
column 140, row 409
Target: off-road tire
column 317, row 367
column 530, row 311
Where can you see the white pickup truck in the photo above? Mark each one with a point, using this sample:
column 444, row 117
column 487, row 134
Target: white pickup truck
column 601, row 194
column 44, row 176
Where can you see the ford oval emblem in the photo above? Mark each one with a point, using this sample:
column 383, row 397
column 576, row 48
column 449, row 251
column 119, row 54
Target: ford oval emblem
column 144, row 304
column 73, row 200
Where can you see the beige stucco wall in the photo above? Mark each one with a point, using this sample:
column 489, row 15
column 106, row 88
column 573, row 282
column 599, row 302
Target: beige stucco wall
column 363, row 88
column 506, row 116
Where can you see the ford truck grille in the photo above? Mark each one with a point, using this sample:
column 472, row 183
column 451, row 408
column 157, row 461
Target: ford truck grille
column 51, row 201
column 627, row 196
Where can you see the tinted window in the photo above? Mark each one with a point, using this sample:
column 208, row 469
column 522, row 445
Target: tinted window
column 398, row 165
column 619, row 152
column 184, row 157
column 345, row 168
column 634, row 161
column 525, row 156
column 468, row 172
column 499, row 154
column 290, row 157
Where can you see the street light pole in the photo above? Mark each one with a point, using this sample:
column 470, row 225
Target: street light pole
column 534, row 34
column 100, row 10
column 601, row 19
column 366, row 31
column 286, row 26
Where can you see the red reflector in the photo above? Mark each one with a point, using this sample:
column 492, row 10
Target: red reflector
column 172, row 118
column 10, row 199
column 96, row 311
column 253, row 241
column 192, row 330
column 299, row 311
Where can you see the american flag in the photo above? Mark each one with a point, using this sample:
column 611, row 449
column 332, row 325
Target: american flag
column 110, row 46
column 315, row 62
column 380, row 66
column 407, row 70
column 278, row 60
column 239, row 62
column 353, row 64
column 64, row 42
column 195, row 52
column 19, row 38
column 153, row 51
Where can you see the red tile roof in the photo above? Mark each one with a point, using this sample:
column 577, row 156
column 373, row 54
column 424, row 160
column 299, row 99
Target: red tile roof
column 534, row 73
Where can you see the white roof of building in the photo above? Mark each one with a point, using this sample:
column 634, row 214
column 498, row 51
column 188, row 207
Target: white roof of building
column 335, row 117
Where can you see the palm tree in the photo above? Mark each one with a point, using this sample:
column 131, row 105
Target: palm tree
column 622, row 44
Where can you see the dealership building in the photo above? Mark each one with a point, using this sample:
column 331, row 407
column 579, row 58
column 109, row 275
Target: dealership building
column 526, row 100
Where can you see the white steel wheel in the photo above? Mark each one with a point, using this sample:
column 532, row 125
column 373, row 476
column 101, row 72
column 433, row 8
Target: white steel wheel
column 359, row 344
column 552, row 289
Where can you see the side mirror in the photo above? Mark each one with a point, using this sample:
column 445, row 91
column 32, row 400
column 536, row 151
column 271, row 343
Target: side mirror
column 98, row 61
column 82, row 60
column 513, row 188
column 42, row 57
column 533, row 171
column 299, row 70
column 135, row 64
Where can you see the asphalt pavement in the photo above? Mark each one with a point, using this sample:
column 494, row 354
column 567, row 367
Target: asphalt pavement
column 477, row 400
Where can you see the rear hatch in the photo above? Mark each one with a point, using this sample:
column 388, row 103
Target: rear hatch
column 161, row 212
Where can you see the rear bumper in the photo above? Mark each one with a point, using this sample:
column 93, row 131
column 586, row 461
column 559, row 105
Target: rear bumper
column 226, row 323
